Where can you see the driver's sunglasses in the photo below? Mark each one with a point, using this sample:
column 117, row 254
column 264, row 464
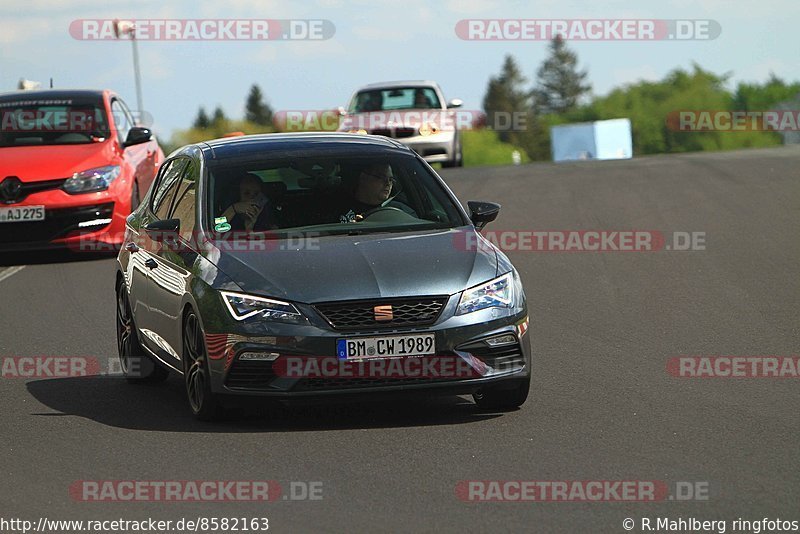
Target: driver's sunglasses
column 390, row 179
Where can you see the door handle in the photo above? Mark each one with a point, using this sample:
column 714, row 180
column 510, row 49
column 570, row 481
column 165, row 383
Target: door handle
column 150, row 263
column 132, row 247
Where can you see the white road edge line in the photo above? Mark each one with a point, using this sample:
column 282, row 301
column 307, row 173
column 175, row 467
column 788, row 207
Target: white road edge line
column 11, row 271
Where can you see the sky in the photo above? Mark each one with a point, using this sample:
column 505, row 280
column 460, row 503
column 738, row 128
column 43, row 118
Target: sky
column 373, row 41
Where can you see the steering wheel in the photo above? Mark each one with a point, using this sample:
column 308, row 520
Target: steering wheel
column 381, row 208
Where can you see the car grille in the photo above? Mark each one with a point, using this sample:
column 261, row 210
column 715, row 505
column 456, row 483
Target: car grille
column 250, row 374
column 57, row 223
column 29, row 188
column 395, row 133
column 360, row 315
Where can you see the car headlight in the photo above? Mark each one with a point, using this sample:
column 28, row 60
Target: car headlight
column 245, row 306
column 92, row 180
column 497, row 293
column 428, row 129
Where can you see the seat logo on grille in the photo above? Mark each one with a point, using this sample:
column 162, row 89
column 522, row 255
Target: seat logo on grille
column 383, row 313
column 10, row 188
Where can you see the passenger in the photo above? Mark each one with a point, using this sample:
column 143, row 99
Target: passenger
column 253, row 211
column 374, row 102
column 421, row 101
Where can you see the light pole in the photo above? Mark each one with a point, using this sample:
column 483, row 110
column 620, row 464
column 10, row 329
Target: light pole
column 129, row 28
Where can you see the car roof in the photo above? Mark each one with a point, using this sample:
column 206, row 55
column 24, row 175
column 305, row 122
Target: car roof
column 257, row 145
column 55, row 94
column 405, row 83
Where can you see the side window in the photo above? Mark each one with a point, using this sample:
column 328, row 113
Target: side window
column 167, row 184
column 184, row 204
column 128, row 115
column 121, row 120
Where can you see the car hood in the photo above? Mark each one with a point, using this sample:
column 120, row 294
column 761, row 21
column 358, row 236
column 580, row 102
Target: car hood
column 53, row 161
column 363, row 267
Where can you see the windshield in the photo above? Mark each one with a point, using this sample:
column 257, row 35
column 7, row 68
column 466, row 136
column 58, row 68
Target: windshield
column 31, row 121
column 327, row 195
column 397, row 98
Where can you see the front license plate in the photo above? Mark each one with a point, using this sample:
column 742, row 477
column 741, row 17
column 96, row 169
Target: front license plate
column 22, row 214
column 385, row 347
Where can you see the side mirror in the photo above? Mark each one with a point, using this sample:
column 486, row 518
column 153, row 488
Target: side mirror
column 164, row 231
column 455, row 103
column 138, row 135
column 482, row 213
column 341, row 111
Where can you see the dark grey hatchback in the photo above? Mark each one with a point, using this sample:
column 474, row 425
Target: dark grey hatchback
column 310, row 265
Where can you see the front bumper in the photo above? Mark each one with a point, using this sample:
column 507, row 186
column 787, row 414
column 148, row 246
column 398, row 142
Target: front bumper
column 93, row 222
column 436, row 148
column 460, row 340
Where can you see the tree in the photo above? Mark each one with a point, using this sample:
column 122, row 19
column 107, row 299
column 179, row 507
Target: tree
column 755, row 97
column 218, row 116
column 559, row 84
column 255, row 109
column 202, row 121
column 505, row 96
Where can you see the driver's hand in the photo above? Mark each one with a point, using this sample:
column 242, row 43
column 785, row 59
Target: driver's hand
column 248, row 209
column 252, row 211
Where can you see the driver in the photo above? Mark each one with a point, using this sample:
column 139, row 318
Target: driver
column 373, row 188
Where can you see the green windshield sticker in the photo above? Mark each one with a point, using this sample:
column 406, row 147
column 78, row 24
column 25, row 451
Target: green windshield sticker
column 222, row 227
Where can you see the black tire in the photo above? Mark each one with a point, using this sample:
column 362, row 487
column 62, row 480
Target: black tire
column 136, row 364
column 204, row 403
column 458, row 157
column 503, row 399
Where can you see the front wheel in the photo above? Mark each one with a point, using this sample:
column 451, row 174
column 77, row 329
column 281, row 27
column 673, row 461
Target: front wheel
column 204, row 403
column 503, row 399
column 458, row 156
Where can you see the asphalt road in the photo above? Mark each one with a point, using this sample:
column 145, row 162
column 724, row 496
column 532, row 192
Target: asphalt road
column 602, row 407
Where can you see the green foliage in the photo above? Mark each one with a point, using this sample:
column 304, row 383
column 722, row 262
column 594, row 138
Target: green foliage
column 202, row 120
column 559, row 84
column 754, row 97
column 256, row 110
column 652, row 107
column 506, row 94
column 215, row 130
column 484, row 147
column 218, row 116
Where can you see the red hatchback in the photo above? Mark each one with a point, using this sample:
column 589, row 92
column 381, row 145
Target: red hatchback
column 73, row 165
